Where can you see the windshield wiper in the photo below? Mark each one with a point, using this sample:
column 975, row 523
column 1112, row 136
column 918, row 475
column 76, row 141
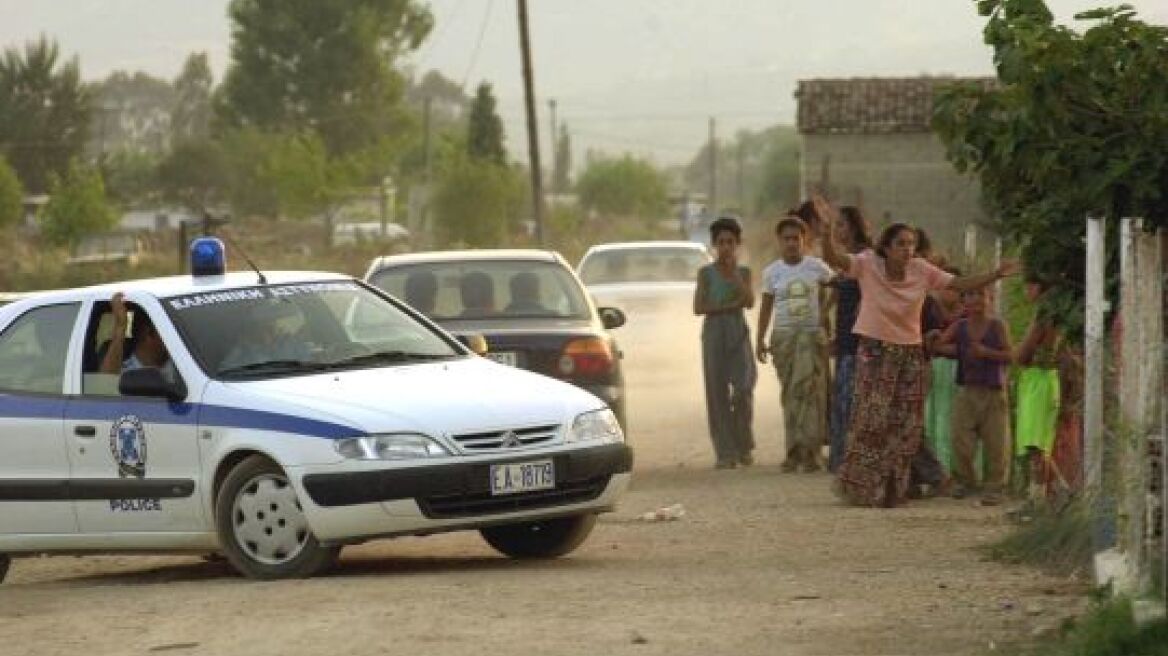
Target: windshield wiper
column 272, row 366
column 388, row 357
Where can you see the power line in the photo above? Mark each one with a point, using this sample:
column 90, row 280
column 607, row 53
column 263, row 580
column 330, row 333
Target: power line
column 479, row 44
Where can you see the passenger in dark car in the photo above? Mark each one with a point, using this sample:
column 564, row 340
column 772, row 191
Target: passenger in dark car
column 421, row 291
column 478, row 294
column 525, row 295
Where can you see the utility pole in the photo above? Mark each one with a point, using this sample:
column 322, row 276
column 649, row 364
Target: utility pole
column 427, row 128
column 532, row 128
column 712, row 201
column 741, row 181
column 555, row 146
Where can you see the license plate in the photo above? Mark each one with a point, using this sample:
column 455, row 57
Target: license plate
column 517, row 477
column 509, row 358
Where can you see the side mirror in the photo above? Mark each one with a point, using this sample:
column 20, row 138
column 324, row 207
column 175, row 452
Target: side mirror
column 612, row 318
column 149, row 382
column 475, row 342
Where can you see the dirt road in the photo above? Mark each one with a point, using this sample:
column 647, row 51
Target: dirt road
column 762, row 563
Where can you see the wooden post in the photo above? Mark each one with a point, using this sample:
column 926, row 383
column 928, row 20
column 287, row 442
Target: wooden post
column 1132, row 432
column 1093, row 358
column 537, row 208
column 1149, row 386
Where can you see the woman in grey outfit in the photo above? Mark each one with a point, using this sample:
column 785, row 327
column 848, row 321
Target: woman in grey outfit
column 724, row 291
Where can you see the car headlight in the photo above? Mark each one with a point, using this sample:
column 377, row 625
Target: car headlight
column 403, row 446
column 600, row 425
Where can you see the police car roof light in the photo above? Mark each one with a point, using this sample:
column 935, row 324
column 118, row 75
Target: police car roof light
column 208, row 257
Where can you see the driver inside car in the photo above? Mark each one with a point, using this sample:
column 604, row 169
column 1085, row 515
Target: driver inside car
column 144, row 348
column 261, row 338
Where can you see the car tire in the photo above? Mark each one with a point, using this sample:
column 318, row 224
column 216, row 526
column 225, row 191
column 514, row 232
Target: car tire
column 5, row 562
column 548, row 538
column 262, row 529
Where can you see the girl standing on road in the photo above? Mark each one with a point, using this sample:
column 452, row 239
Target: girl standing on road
column 793, row 293
column 852, row 232
column 887, row 417
column 724, row 291
column 1037, row 397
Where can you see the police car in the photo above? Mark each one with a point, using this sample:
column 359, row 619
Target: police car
column 289, row 415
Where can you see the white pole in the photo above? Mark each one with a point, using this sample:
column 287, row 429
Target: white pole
column 1093, row 357
column 1132, row 431
column 970, row 245
column 1149, row 385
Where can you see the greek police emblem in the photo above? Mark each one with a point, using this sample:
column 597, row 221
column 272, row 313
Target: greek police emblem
column 128, row 446
column 511, row 440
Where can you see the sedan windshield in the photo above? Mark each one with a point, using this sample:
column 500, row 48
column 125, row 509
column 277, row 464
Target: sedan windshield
column 642, row 265
column 487, row 289
column 279, row 330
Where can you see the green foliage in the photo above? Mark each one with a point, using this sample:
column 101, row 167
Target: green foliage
column 11, row 195
column 129, row 114
column 1074, row 127
column 190, row 119
column 77, row 206
column 770, row 170
column 478, row 203
column 130, row 176
column 44, row 112
column 1056, row 539
column 304, row 65
column 1109, row 629
column 625, row 187
column 484, row 137
column 195, row 174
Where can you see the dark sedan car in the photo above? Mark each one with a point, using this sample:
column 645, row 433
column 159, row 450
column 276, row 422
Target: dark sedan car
column 528, row 304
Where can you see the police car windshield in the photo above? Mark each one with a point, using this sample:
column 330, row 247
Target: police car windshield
column 281, row 330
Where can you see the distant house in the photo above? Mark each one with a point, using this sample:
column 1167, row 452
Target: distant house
column 867, row 142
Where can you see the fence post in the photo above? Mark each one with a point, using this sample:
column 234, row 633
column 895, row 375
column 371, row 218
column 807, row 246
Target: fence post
column 1131, row 432
column 1150, row 385
column 1094, row 375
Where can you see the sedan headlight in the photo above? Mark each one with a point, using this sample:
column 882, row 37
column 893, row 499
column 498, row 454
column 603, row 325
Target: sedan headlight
column 600, row 425
column 402, row 446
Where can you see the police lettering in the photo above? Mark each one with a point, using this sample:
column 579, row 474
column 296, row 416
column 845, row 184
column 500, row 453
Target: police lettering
column 135, row 505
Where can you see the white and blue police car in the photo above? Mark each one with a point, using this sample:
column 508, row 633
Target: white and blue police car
column 289, row 415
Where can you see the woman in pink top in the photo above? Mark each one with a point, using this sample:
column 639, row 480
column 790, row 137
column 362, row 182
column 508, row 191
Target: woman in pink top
column 888, row 415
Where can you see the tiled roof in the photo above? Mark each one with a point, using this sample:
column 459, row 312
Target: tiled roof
column 871, row 105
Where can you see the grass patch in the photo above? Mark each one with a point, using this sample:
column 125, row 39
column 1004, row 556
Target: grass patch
column 1109, row 629
column 1056, row 539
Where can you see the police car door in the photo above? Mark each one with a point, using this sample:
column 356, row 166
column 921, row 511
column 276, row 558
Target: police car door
column 135, row 460
column 34, row 467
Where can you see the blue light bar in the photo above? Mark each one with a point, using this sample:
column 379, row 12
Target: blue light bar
column 208, row 257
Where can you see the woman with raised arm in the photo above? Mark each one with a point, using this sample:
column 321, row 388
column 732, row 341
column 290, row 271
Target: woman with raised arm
column 888, row 414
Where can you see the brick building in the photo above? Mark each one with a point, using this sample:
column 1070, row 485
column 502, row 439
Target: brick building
column 867, row 142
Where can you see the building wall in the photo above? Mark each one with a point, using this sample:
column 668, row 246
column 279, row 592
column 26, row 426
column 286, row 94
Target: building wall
column 897, row 177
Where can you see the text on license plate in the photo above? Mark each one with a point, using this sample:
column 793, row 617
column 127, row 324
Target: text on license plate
column 523, row 477
column 509, row 358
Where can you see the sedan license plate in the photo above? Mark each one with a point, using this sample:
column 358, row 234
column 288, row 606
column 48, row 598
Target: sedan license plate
column 509, row 358
column 516, row 477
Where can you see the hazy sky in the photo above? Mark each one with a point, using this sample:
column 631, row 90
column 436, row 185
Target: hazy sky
column 635, row 75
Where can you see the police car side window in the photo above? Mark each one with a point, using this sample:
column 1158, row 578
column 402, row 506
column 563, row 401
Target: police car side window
column 34, row 347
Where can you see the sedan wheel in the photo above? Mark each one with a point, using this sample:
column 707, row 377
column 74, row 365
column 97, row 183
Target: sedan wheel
column 262, row 527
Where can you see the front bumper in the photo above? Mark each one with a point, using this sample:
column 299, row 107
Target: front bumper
column 463, row 489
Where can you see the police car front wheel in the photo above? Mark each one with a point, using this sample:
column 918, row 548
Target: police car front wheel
column 548, row 538
column 262, row 528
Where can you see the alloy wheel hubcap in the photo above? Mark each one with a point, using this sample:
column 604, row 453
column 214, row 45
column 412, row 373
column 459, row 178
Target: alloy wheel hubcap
column 268, row 521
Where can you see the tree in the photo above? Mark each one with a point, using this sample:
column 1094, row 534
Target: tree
column 484, row 139
column 195, row 174
column 11, row 195
column 769, row 169
column 304, row 65
column 131, row 114
column 190, row 119
column 44, row 112
column 625, row 187
column 562, row 171
column 478, row 203
column 130, row 176
column 1074, row 127
column 77, row 206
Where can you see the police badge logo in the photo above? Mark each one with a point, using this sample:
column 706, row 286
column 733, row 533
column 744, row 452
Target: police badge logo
column 128, row 446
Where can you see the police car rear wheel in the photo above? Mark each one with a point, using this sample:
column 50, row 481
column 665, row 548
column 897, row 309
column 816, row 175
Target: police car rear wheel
column 548, row 538
column 262, row 528
column 5, row 561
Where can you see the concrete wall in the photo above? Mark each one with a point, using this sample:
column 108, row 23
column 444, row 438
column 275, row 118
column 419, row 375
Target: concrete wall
column 897, row 177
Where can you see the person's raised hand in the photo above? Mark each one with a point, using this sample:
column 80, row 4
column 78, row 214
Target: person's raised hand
column 118, row 307
column 824, row 210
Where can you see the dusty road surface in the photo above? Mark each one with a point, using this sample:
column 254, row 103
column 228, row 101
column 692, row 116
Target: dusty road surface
column 762, row 563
